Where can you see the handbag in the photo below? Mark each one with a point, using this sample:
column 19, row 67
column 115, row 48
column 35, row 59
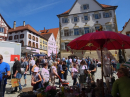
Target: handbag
column 22, row 70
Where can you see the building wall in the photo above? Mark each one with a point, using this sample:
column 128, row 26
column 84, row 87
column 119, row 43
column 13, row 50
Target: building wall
column 126, row 31
column 43, row 43
column 51, row 45
column 58, row 42
column 3, row 25
column 81, row 24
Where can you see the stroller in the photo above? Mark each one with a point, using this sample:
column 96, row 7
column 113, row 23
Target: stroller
column 63, row 82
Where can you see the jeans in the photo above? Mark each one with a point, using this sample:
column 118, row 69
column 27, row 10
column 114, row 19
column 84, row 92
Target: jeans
column 3, row 88
column 18, row 76
column 25, row 76
column 37, row 86
column 31, row 69
column 68, row 66
column 74, row 81
column 61, row 76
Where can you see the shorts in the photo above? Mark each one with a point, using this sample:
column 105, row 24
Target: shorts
column 18, row 76
column 114, row 65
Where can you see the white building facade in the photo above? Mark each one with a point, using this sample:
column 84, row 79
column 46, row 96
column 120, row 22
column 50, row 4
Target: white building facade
column 4, row 27
column 27, row 36
column 85, row 16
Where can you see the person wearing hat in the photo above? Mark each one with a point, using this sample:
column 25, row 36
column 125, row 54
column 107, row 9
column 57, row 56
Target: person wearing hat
column 4, row 68
column 36, row 79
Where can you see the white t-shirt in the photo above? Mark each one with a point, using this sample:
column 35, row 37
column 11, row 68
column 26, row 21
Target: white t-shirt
column 70, row 60
column 55, row 69
column 75, row 72
column 45, row 74
column 32, row 62
column 82, row 68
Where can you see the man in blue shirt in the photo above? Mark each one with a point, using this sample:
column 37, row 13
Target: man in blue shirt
column 4, row 68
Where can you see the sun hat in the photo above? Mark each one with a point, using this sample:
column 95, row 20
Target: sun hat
column 36, row 69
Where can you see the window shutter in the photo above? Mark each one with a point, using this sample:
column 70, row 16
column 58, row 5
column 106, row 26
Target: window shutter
column 88, row 6
column 83, row 31
column 4, row 30
column 104, row 28
column 78, row 18
column 103, row 14
column 80, row 31
column 88, row 17
column 63, row 20
column 83, row 18
column 62, row 34
column 81, row 7
column 110, row 13
column 68, row 20
column 99, row 15
column 93, row 16
column 72, row 31
column 72, row 19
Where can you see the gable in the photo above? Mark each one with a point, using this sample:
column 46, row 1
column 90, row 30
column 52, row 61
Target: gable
column 77, row 7
column 52, row 38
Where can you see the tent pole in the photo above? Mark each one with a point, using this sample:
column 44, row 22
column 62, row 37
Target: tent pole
column 102, row 73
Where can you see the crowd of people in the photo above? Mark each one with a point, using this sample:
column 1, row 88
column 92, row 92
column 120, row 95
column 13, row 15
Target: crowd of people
column 47, row 69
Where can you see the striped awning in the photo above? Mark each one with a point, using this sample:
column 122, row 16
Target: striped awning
column 127, row 64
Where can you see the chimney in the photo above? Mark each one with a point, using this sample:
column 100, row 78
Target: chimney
column 14, row 24
column 44, row 29
column 23, row 23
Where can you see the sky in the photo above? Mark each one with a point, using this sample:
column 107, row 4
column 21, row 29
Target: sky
column 43, row 13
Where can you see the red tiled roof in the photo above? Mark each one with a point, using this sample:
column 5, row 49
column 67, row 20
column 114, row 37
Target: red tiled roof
column 53, row 30
column 103, row 5
column 46, row 35
column 5, row 21
column 125, row 25
column 26, row 27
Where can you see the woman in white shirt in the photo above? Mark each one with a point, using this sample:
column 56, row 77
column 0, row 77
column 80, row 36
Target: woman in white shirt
column 53, row 72
column 74, row 73
column 45, row 73
column 82, row 67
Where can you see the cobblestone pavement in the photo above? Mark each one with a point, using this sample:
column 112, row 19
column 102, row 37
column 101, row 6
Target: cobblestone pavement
column 8, row 86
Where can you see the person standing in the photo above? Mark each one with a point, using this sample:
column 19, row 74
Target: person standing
column 4, row 68
column 121, row 87
column 92, row 70
column 68, row 65
column 53, row 73
column 32, row 63
column 50, row 63
column 45, row 73
column 24, row 64
column 64, row 67
column 74, row 73
column 17, row 73
column 36, row 65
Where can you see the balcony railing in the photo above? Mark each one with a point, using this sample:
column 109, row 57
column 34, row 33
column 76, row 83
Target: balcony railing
column 84, row 30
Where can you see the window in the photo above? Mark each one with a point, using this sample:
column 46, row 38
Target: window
column 29, row 43
column 65, row 20
column 10, row 37
column 43, row 48
column 16, row 37
column 33, row 45
column 29, row 36
column 40, row 46
column 85, row 7
column 75, row 19
column 43, row 41
column 76, row 31
column 36, row 45
column 109, row 27
column 97, row 27
column 40, row 40
column 67, row 33
column 86, row 18
column 22, row 43
column 1, row 29
column 36, row 39
column 107, row 14
column 33, row 38
column 86, row 30
column 22, row 36
column 97, row 16
column 66, row 45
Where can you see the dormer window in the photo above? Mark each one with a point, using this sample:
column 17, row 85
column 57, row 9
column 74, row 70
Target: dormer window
column 65, row 20
column 85, row 7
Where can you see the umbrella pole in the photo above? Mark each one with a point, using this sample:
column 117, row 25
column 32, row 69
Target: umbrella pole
column 102, row 73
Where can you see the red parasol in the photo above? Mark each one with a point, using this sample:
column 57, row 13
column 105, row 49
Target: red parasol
column 99, row 40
